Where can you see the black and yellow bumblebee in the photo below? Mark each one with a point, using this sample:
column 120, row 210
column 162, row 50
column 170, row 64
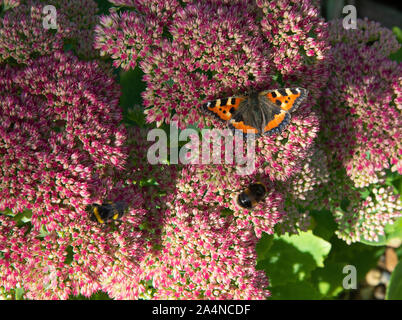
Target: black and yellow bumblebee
column 108, row 211
column 253, row 194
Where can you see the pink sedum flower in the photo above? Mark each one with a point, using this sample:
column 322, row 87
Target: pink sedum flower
column 203, row 186
column 7, row 4
column 362, row 105
column 202, row 245
column 205, row 257
column 366, row 219
column 23, row 36
column 212, row 49
column 303, row 192
column 126, row 37
column 81, row 256
column 160, row 9
column 361, row 130
column 60, row 137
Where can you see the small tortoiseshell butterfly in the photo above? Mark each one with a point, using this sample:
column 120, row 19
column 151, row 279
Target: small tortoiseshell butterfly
column 262, row 113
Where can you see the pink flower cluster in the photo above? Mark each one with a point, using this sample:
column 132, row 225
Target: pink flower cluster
column 22, row 34
column 63, row 147
column 207, row 244
column 166, row 247
column 206, row 256
column 361, row 130
column 203, row 186
column 211, row 49
column 362, row 104
column 365, row 219
column 77, row 259
column 127, row 30
column 7, row 4
column 187, row 237
column 217, row 48
column 60, row 139
column 162, row 10
column 304, row 192
column 83, row 257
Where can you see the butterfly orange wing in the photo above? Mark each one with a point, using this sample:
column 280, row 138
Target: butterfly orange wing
column 288, row 99
column 223, row 109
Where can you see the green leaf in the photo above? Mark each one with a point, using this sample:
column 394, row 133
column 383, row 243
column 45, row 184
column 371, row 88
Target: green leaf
column 302, row 290
column 100, row 295
column 43, row 231
column 23, row 218
column 325, row 224
column 394, row 290
column 292, row 258
column 103, row 6
column 357, row 254
column 394, row 179
column 398, row 33
column 329, row 279
column 278, row 78
column 135, row 115
column 394, row 230
column 398, row 185
column 131, row 86
column 309, row 243
column 397, row 56
column 225, row 212
column 19, row 292
column 69, row 255
column 263, row 246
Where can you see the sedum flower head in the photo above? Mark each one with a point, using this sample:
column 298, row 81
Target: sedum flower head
column 360, row 213
column 23, row 36
column 76, row 259
column 8, row 4
column 202, row 246
column 161, row 9
column 218, row 48
column 362, row 104
column 60, row 139
column 81, row 256
column 367, row 218
column 205, row 256
column 126, row 37
column 368, row 33
column 361, row 130
column 304, row 192
column 204, row 186
column 215, row 48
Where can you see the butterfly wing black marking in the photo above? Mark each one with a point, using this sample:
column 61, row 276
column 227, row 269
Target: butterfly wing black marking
column 275, row 119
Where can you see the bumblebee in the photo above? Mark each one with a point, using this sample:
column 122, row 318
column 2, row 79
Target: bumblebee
column 253, row 194
column 108, row 211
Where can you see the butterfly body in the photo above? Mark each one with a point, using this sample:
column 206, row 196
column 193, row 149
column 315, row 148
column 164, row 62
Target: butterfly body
column 259, row 113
